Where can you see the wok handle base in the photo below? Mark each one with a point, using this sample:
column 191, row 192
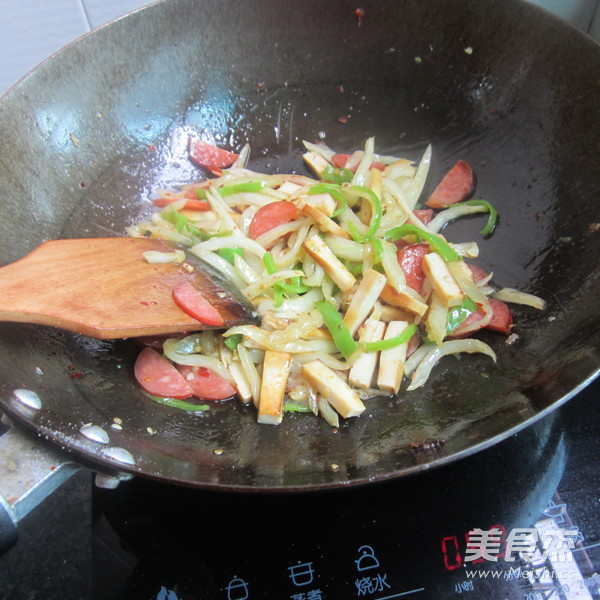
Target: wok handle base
column 29, row 472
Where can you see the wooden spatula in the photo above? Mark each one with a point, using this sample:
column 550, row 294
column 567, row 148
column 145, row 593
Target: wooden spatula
column 104, row 288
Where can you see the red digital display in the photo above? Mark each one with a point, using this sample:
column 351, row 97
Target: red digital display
column 453, row 551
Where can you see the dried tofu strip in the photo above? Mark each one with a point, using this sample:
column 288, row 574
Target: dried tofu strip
column 242, row 384
column 316, row 162
column 403, row 300
column 361, row 374
column 391, row 361
column 276, row 369
column 339, row 394
column 324, row 223
column 322, row 254
column 364, row 298
column 441, row 280
column 323, row 202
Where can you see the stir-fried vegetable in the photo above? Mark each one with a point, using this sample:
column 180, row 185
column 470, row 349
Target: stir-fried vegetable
column 357, row 287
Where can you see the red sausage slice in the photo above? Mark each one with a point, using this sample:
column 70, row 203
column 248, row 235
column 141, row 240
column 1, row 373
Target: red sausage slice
column 411, row 261
column 208, row 156
column 456, row 185
column 501, row 320
column 424, row 215
column 271, row 215
column 193, row 303
column 158, row 376
column 206, row 384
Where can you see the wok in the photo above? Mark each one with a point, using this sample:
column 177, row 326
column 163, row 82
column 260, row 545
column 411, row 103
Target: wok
column 87, row 136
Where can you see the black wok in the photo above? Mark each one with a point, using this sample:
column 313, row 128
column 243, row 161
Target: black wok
column 514, row 91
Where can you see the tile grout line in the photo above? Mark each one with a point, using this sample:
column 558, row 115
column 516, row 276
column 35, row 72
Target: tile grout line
column 85, row 14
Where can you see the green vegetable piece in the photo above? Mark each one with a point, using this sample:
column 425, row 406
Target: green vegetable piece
column 436, row 243
column 291, row 406
column 269, row 263
column 173, row 216
column 391, row 342
column 342, row 338
column 241, row 188
column 233, row 340
column 377, row 246
column 180, row 404
column 295, row 286
column 376, row 213
column 337, row 175
column 457, row 314
column 491, row 222
column 229, row 253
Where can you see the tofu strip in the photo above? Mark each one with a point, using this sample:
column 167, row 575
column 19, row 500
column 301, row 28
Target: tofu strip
column 363, row 370
column 323, row 255
column 364, row 298
column 391, row 361
column 338, row 393
column 324, row 223
column 441, row 280
column 276, row 369
column 244, row 389
column 403, row 300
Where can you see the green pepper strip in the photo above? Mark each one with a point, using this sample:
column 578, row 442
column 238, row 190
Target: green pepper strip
column 391, row 342
column 269, row 263
column 436, row 242
column 241, row 188
column 180, row 404
column 173, row 216
column 354, row 268
column 229, row 253
column 335, row 192
column 491, row 222
column 342, row 338
column 377, row 246
column 376, row 213
column 234, row 188
column 457, row 314
column 233, row 340
column 290, row 406
column 336, row 175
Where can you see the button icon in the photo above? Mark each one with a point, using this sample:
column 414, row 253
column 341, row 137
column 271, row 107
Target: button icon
column 237, row 589
column 367, row 559
column 302, row 573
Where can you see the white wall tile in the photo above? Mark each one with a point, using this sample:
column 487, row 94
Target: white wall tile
column 32, row 30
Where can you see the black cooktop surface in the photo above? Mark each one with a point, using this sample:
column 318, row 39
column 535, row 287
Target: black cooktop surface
column 518, row 520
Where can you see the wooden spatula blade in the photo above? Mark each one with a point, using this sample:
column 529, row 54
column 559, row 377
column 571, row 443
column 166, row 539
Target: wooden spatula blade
column 104, row 288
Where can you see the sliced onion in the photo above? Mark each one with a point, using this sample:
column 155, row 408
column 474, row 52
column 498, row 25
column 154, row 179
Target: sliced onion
column 391, row 266
column 228, row 241
column 450, row 214
column 196, row 360
column 320, row 149
column 466, row 249
column 250, row 372
column 361, row 175
column 265, row 283
column 327, row 412
column 418, row 182
column 158, row 258
column 343, row 248
column 517, row 297
column 421, row 374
